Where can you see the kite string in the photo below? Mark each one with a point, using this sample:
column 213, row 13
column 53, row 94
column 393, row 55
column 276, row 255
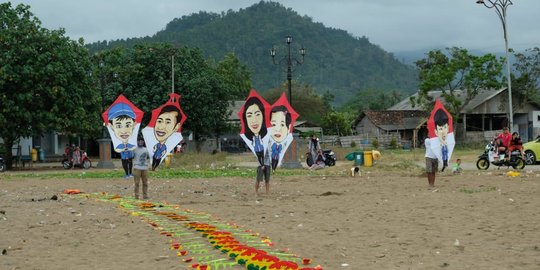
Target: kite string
column 172, row 67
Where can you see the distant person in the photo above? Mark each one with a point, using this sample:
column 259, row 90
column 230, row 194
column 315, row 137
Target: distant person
column 141, row 158
column 313, row 147
column 68, row 152
column 264, row 172
column 76, row 156
column 516, row 144
column 500, row 149
column 319, row 161
column 456, row 169
column 127, row 162
column 506, row 140
column 432, row 163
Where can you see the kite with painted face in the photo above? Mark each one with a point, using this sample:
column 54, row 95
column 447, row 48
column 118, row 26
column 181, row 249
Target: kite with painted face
column 123, row 120
column 441, row 133
column 282, row 118
column 163, row 132
column 253, row 121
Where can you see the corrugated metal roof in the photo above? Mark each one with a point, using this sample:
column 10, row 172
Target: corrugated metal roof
column 396, row 119
column 479, row 99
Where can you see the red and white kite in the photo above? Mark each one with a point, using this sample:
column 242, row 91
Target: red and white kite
column 254, row 121
column 282, row 118
column 163, row 132
column 123, row 120
column 441, row 133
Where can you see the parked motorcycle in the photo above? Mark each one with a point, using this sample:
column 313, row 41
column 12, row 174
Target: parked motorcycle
column 329, row 155
column 2, row 165
column 85, row 163
column 487, row 157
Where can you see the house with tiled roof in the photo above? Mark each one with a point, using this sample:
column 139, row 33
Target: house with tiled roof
column 487, row 111
column 407, row 127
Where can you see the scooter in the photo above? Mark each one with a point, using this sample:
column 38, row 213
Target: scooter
column 486, row 158
column 329, row 155
column 2, row 165
column 86, row 163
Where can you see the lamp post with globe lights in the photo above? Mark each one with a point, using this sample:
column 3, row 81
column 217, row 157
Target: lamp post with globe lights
column 291, row 156
column 500, row 8
column 289, row 61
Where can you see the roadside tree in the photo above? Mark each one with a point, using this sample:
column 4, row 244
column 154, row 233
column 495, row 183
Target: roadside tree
column 45, row 80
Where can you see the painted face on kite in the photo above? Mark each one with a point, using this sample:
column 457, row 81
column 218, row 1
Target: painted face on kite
column 254, row 117
column 442, row 131
column 279, row 126
column 123, row 128
column 166, row 125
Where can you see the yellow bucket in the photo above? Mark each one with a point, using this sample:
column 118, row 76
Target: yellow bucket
column 168, row 160
column 376, row 155
column 368, row 158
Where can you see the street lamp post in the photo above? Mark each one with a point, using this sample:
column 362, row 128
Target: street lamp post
column 291, row 156
column 500, row 8
column 289, row 61
column 105, row 160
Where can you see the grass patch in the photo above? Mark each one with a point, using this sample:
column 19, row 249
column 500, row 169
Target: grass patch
column 206, row 165
column 471, row 191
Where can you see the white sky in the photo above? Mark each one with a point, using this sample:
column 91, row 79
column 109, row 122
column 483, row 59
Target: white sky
column 394, row 25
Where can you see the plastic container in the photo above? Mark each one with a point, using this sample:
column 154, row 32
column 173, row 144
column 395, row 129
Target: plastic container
column 41, row 155
column 34, row 154
column 368, row 158
column 168, row 159
column 376, row 155
column 358, row 158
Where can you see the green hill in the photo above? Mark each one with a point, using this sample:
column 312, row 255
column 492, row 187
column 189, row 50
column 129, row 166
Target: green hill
column 335, row 60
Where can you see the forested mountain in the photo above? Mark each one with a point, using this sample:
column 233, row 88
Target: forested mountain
column 335, row 60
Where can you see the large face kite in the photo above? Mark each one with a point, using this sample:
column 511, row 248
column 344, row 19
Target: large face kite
column 282, row 118
column 163, row 132
column 441, row 133
column 123, row 120
column 253, row 119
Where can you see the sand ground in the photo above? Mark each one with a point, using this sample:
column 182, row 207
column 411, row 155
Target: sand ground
column 379, row 220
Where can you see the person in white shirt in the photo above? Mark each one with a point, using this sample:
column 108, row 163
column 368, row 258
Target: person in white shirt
column 141, row 158
column 432, row 162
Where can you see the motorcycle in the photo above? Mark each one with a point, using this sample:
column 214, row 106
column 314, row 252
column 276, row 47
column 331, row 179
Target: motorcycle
column 329, row 155
column 487, row 157
column 85, row 163
column 2, row 165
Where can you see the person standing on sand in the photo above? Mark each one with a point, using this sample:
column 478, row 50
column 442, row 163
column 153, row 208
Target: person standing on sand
column 263, row 172
column 432, row 163
column 140, row 168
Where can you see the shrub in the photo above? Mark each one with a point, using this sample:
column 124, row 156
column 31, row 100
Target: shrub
column 393, row 144
column 353, row 144
column 375, row 144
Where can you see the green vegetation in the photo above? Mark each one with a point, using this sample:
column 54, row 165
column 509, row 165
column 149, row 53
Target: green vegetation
column 375, row 144
column 471, row 191
column 335, row 60
column 456, row 70
column 45, row 82
column 525, row 83
column 394, row 143
column 205, row 165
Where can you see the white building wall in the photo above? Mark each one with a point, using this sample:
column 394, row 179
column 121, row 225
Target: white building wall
column 534, row 117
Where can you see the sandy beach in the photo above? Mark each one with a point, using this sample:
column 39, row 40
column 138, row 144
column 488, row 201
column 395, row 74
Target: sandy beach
column 379, row 220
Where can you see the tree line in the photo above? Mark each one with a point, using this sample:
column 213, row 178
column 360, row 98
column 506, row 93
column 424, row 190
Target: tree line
column 51, row 83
